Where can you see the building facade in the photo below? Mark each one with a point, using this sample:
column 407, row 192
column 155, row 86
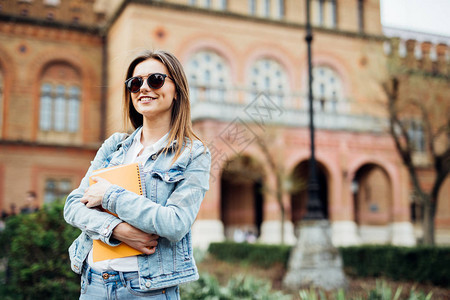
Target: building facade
column 62, row 67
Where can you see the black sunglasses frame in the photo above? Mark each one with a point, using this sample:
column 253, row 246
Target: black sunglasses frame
column 149, row 82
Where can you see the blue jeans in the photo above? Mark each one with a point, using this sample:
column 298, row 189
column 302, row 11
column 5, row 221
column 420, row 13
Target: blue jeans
column 112, row 285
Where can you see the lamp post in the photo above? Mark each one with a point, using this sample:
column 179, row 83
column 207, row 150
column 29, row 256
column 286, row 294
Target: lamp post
column 314, row 206
column 314, row 261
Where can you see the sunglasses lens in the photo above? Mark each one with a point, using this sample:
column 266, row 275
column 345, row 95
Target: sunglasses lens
column 155, row 81
column 134, row 84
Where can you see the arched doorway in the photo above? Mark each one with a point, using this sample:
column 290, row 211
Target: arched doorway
column 299, row 193
column 372, row 199
column 242, row 199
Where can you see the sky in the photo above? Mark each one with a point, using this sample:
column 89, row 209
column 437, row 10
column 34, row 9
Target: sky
column 428, row 16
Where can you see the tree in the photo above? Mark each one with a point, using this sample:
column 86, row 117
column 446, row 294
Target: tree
column 284, row 183
column 424, row 98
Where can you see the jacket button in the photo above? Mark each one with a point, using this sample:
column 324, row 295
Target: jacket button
column 153, row 157
column 148, row 284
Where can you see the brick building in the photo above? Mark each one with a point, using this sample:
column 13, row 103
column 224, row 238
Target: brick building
column 62, row 67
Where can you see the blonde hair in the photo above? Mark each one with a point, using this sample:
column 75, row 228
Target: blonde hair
column 180, row 122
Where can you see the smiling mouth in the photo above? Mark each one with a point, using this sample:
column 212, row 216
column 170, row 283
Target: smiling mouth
column 146, row 99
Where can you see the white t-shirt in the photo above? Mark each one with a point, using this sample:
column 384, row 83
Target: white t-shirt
column 129, row 264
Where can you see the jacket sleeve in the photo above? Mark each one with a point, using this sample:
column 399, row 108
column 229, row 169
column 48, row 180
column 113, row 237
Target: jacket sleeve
column 97, row 224
column 173, row 220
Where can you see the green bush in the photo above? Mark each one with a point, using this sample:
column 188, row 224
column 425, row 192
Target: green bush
column 249, row 288
column 419, row 264
column 35, row 246
column 257, row 254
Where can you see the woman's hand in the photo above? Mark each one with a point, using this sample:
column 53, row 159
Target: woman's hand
column 93, row 195
column 135, row 238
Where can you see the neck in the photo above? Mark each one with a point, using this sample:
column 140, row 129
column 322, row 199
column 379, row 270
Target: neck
column 153, row 130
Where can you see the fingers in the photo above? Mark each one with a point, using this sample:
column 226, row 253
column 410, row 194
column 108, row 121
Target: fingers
column 148, row 247
column 148, row 251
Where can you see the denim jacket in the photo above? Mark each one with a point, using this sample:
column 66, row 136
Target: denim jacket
column 173, row 194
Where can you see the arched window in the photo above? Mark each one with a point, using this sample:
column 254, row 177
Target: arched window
column 208, row 77
column 60, row 99
column 268, row 76
column 327, row 91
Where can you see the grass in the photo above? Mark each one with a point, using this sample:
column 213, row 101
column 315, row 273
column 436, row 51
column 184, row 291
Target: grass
column 357, row 287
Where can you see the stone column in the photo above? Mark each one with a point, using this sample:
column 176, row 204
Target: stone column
column 208, row 227
column 442, row 64
column 427, row 65
column 314, row 261
column 411, row 60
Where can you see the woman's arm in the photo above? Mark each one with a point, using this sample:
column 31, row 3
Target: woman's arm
column 175, row 219
column 97, row 224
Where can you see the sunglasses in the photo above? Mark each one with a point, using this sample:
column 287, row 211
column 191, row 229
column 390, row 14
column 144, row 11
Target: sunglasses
column 154, row 81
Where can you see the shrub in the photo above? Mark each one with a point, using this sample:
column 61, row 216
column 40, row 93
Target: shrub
column 38, row 266
column 419, row 264
column 248, row 288
column 257, row 254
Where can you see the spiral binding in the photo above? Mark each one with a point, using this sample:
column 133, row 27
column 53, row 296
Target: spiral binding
column 141, row 185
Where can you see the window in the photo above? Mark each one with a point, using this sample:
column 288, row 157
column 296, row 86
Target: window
column 361, row 15
column 223, row 4
column 56, row 189
column 416, row 135
column 252, row 7
column 60, row 108
column 266, row 11
column 268, row 76
column 208, row 76
column 327, row 90
column 60, row 100
column 332, row 13
column 52, row 2
column 324, row 13
column 281, row 9
column 320, row 14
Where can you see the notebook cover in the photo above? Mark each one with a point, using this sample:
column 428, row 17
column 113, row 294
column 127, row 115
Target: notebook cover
column 126, row 176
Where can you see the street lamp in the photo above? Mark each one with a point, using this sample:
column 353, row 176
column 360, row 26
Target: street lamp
column 314, row 261
column 314, row 206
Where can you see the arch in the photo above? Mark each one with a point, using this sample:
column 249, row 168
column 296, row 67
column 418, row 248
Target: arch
column 271, row 51
column 88, row 78
column 268, row 75
column 372, row 196
column 242, row 197
column 299, row 197
column 209, row 76
column 196, row 43
column 393, row 176
column 330, row 60
column 60, row 98
column 327, row 90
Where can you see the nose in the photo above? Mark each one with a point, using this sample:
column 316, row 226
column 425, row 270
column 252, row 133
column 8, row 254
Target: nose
column 145, row 85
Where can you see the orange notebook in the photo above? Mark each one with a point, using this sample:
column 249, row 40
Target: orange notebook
column 129, row 177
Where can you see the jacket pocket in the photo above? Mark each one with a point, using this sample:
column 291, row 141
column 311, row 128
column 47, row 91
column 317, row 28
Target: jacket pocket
column 162, row 184
column 186, row 242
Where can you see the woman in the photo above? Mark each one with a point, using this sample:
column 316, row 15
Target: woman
column 175, row 174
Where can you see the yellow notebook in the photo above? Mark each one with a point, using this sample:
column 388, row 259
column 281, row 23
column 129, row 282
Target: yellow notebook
column 126, row 176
